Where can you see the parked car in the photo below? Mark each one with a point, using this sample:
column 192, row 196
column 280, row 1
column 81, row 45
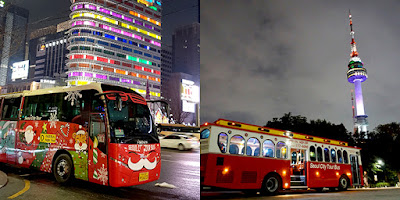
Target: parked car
column 181, row 142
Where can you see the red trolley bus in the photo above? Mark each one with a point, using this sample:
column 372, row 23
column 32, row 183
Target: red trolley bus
column 98, row 133
column 241, row 156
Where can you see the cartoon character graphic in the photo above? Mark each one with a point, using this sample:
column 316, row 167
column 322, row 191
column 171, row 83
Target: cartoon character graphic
column 146, row 157
column 80, row 140
column 29, row 134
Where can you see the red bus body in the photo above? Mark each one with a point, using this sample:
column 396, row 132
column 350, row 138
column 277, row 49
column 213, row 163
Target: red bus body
column 221, row 169
column 37, row 143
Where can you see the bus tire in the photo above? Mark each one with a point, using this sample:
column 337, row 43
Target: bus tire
column 181, row 147
column 63, row 170
column 271, row 185
column 343, row 183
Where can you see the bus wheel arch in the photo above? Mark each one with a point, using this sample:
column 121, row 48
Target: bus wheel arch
column 63, row 167
column 181, row 147
column 344, row 182
column 271, row 184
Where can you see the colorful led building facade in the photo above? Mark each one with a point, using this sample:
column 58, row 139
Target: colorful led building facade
column 117, row 42
column 357, row 74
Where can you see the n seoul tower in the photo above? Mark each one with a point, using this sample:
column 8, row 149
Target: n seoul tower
column 357, row 74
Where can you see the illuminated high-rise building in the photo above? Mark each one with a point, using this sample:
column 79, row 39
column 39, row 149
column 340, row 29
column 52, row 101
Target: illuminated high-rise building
column 117, row 42
column 186, row 50
column 357, row 74
column 13, row 38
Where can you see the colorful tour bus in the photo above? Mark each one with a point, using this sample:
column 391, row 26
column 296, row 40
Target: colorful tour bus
column 246, row 157
column 99, row 133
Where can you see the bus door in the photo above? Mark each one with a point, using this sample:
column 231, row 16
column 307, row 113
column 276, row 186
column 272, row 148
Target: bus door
column 355, row 169
column 297, row 168
column 97, row 152
column 9, row 141
column 9, row 113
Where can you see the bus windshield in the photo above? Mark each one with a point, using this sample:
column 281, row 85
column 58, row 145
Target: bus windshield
column 133, row 124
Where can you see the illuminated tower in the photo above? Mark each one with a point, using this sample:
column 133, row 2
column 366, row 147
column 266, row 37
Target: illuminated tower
column 357, row 74
column 117, row 42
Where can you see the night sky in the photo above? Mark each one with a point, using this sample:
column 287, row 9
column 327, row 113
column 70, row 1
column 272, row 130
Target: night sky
column 177, row 13
column 263, row 58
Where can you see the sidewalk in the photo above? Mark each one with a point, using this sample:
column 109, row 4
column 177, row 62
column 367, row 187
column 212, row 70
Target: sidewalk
column 3, row 179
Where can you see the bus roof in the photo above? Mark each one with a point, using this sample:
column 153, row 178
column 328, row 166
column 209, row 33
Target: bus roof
column 90, row 86
column 272, row 131
column 95, row 86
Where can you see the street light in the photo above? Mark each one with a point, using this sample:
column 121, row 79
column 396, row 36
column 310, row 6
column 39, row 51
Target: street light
column 380, row 162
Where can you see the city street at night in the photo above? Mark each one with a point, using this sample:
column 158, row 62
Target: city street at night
column 179, row 168
column 351, row 194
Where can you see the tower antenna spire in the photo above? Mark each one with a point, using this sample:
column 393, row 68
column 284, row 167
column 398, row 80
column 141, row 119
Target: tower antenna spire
column 354, row 52
column 356, row 74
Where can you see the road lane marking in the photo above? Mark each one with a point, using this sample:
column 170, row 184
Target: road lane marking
column 26, row 188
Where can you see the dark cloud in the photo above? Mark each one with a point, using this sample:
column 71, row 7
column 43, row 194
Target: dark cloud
column 261, row 59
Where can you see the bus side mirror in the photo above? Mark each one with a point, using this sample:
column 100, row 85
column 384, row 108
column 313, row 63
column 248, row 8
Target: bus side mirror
column 119, row 103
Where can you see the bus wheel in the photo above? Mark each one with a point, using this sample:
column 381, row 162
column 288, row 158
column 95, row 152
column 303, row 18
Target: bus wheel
column 271, row 185
column 343, row 183
column 63, row 169
column 181, row 147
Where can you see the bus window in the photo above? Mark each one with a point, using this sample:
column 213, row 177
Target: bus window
column 294, row 157
column 319, row 154
column 205, row 134
column 345, row 157
column 98, row 130
column 313, row 157
column 236, row 145
column 222, row 140
column 11, row 108
column 333, row 154
column 326, row 154
column 253, row 147
column 281, row 150
column 339, row 154
column 268, row 148
column 54, row 105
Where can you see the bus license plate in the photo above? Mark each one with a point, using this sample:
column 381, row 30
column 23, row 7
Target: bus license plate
column 144, row 176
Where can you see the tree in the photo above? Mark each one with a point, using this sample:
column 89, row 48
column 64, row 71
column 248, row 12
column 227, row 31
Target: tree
column 318, row 127
column 383, row 144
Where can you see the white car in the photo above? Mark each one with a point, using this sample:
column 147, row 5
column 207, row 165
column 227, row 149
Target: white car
column 180, row 142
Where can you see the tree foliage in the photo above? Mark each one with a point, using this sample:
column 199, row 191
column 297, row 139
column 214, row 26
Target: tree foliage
column 320, row 128
column 383, row 143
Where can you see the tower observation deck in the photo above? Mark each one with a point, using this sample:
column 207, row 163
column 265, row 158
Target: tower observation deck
column 357, row 74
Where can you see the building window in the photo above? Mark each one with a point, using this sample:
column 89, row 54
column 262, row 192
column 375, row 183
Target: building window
column 115, row 46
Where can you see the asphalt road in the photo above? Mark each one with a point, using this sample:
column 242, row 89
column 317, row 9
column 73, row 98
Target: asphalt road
column 180, row 169
column 352, row 194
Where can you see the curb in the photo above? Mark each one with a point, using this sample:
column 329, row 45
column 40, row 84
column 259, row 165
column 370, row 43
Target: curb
column 380, row 188
column 3, row 179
